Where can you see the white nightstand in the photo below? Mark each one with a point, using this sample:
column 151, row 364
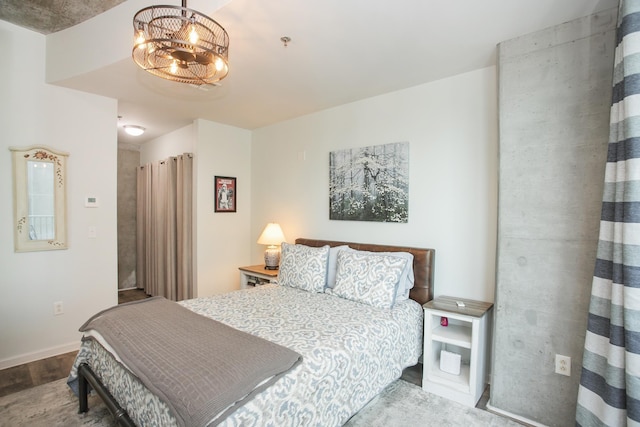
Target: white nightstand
column 466, row 335
column 254, row 275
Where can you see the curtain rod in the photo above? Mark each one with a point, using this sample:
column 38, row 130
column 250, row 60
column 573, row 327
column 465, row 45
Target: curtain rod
column 162, row 162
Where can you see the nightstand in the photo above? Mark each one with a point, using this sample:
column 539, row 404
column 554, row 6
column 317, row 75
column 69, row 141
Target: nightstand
column 466, row 335
column 255, row 275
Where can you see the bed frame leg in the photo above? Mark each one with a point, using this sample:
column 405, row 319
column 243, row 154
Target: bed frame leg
column 82, row 391
column 85, row 377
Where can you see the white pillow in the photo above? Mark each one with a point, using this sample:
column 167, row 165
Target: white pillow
column 368, row 277
column 407, row 278
column 303, row 267
column 332, row 265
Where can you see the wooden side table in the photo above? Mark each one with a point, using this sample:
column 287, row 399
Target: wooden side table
column 465, row 334
column 256, row 275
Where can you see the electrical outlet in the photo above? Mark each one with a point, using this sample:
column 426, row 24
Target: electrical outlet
column 563, row 365
column 57, row 308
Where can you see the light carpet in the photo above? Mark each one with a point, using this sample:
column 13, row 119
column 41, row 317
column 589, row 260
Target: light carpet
column 400, row 404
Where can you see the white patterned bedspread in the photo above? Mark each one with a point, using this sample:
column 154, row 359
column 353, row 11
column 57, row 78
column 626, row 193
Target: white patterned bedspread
column 351, row 352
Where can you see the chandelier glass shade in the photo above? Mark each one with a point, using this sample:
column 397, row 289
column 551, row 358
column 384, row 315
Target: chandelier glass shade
column 180, row 44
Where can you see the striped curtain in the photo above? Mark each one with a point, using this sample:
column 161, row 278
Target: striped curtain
column 609, row 392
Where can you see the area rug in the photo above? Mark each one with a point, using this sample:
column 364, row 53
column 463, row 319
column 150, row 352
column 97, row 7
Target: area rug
column 403, row 404
column 400, row 404
column 51, row 404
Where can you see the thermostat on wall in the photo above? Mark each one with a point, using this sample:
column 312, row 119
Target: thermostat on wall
column 91, row 202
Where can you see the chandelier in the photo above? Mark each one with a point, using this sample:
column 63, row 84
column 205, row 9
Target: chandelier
column 180, row 44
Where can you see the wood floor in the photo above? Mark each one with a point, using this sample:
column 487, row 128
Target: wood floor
column 35, row 373
column 131, row 295
column 50, row 369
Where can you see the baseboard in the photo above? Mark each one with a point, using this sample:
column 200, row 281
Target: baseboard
column 38, row 355
column 128, row 289
column 515, row 417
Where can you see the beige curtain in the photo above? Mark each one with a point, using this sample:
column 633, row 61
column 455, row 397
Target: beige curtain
column 164, row 230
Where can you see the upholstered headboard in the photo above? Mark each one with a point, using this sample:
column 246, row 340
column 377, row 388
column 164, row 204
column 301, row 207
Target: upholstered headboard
column 423, row 262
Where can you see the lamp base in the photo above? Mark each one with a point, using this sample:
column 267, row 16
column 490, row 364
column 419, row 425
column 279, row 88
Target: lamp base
column 272, row 258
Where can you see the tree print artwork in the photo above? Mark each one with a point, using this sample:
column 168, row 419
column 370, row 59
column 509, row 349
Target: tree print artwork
column 370, row 183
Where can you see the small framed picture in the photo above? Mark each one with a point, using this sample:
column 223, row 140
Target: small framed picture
column 226, row 192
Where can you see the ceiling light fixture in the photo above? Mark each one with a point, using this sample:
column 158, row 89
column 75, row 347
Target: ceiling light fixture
column 180, row 44
column 134, row 130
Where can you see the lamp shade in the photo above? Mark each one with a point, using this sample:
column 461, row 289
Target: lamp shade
column 272, row 235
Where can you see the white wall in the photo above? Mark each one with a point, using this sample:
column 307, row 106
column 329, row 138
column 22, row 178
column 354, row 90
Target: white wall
column 451, row 126
column 222, row 238
column 83, row 277
column 172, row 144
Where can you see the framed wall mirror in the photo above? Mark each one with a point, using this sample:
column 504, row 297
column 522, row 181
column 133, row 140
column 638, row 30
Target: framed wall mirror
column 39, row 198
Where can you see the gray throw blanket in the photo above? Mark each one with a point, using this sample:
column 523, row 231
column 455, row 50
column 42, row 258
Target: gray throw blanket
column 196, row 365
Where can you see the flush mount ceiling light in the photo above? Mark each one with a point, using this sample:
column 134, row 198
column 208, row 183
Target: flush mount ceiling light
column 134, row 130
column 180, row 44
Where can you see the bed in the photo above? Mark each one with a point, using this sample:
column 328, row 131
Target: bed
column 352, row 343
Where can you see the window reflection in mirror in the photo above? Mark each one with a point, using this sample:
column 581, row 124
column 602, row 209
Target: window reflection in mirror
column 40, row 200
column 39, row 178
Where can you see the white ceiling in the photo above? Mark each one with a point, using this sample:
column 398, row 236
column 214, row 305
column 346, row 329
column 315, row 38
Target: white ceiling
column 340, row 51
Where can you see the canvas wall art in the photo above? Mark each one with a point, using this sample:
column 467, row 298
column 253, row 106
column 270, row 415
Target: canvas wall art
column 370, row 183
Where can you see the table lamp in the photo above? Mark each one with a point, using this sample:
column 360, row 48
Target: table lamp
column 271, row 236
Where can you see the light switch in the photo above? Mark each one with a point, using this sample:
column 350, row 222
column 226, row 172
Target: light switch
column 92, row 232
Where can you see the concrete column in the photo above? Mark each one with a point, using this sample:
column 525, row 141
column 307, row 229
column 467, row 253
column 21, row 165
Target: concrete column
column 554, row 100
